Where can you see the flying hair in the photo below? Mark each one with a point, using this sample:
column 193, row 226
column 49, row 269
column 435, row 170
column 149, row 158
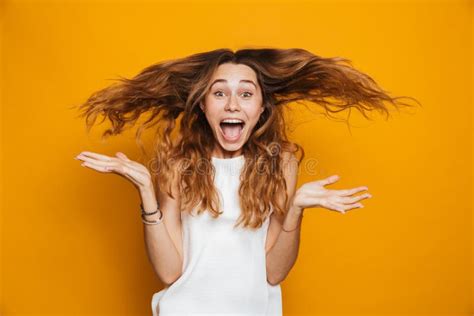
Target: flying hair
column 169, row 93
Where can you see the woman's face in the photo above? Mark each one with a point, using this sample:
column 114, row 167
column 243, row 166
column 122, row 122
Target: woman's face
column 234, row 96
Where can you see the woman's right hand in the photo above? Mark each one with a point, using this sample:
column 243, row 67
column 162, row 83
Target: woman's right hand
column 137, row 173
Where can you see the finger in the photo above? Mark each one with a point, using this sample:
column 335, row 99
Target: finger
column 351, row 191
column 352, row 206
column 112, row 165
column 105, row 165
column 120, row 169
column 122, row 156
column 94, row 155
column 349, row 200
column 335, row 207
column 95, row 167
column 94, row 161
column 329, row 180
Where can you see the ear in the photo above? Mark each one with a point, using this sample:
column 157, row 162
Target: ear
column 262, row 109
column 201, row 106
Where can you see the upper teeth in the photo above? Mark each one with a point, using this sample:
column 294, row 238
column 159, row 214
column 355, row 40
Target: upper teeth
column 232, row 121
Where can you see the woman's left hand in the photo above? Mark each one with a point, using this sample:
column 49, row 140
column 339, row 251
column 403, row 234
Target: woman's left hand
column 314, row 194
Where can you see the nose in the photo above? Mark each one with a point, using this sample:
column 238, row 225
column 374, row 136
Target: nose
column 233, row 104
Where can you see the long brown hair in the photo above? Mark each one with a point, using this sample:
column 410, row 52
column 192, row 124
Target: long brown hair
column 171, row 91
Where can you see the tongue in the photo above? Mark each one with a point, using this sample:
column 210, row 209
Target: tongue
column 231, row 130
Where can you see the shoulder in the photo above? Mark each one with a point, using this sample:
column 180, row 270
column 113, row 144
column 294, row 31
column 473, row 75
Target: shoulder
column 287, row 156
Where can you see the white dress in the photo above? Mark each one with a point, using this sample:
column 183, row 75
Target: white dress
column 224, row 271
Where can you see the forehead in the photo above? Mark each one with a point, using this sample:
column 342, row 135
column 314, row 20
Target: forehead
column 234, row 72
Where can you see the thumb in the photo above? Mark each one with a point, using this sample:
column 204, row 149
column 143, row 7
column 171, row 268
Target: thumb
column 122, row 155
column 330, row 179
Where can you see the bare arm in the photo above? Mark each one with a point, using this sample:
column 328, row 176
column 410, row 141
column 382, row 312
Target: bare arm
column 282, row 247
column 163, row 241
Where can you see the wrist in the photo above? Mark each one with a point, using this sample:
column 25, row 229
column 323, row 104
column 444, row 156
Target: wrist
column 148, row 198
column 147, row 189
column 293, row 218
column 296, row 210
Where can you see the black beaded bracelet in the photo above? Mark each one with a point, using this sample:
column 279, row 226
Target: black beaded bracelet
column 145, row 221
column 151, row 213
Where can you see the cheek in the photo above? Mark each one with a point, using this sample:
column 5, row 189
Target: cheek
column 255, row 114
column 211, row 109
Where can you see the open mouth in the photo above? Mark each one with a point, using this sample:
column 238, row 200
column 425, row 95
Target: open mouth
column 232, row 129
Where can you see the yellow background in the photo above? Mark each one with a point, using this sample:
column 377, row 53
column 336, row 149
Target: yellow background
column 72, row 239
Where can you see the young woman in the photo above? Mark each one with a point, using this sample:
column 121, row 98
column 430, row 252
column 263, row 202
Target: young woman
column 219, row 203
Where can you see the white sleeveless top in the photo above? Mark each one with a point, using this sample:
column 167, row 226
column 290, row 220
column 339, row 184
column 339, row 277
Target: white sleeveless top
column 224, row 271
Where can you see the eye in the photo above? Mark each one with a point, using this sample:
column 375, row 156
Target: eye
column 250, row 94
column 218, row 92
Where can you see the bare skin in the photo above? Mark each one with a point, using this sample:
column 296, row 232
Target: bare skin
column 314, row 194
column 236, row 94
column 163, row 241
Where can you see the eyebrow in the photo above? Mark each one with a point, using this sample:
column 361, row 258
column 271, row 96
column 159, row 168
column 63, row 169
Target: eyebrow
column 223, row 80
